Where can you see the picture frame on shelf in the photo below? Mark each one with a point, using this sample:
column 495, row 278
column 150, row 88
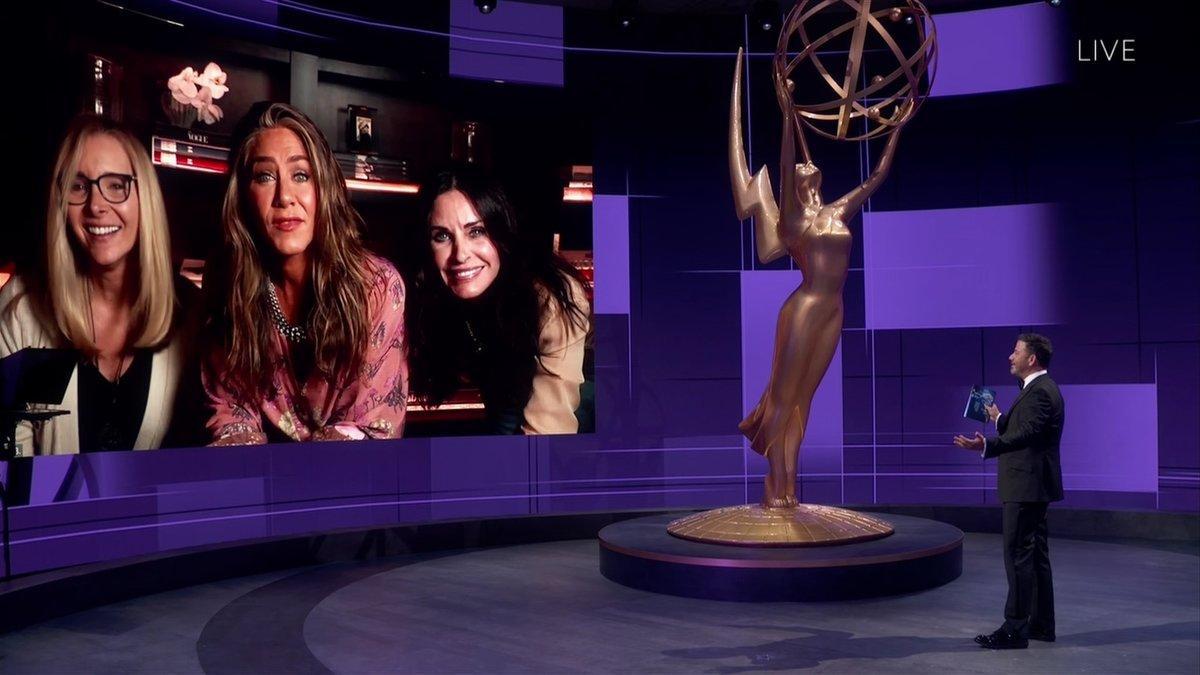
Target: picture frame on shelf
column 361, row 131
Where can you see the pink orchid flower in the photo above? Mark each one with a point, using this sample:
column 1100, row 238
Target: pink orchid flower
column 199, row 90
column 211, row 114
column 213, row 78
column 182, row 86
column 202, row 99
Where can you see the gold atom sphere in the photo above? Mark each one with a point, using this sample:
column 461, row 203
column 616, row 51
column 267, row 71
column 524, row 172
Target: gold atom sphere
column 862, row 105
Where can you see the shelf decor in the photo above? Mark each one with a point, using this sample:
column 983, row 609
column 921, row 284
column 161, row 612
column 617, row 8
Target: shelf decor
column 191, row 150
column 105, row 96
column 361, row 134
column 190, row 95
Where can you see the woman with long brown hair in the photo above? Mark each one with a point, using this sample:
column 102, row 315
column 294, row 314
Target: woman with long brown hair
column 305, row 328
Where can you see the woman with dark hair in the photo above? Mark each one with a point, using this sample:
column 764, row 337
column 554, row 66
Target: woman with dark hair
column 305, row 328
column 511, row 317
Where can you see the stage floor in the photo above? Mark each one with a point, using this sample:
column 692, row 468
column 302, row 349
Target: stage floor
column 1122, row 607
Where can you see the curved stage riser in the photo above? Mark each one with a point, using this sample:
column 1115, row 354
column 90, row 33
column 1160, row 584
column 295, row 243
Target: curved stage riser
column 774, row 585
column 921, row 554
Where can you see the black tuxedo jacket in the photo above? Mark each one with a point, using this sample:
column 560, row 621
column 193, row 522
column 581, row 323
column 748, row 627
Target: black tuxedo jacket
column 1027, row 445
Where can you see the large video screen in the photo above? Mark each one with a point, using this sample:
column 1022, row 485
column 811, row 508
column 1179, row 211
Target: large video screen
column 533, row 206
column 239, row 242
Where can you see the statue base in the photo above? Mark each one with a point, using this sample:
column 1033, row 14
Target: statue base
column 801, row 525
column 920, row 554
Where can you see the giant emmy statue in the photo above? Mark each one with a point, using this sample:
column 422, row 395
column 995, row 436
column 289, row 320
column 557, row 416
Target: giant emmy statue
column 898, row 42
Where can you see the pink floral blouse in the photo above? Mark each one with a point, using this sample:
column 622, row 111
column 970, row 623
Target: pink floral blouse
column 371, row 405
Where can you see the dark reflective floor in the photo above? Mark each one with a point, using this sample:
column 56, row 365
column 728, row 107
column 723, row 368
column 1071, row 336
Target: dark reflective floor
column 1122, row 607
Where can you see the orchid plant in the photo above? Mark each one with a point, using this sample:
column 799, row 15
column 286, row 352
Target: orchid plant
column 192, row 95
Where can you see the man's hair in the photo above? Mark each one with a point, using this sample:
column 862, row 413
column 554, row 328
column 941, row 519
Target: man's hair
column 1039, row 346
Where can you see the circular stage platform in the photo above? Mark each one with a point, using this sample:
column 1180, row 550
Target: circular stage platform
column 920, row 554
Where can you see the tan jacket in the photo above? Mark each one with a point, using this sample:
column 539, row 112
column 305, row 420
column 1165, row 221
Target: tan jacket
column 22, row 328
column 555, row 396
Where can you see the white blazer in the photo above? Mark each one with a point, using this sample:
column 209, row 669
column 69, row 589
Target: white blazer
column 21, row 328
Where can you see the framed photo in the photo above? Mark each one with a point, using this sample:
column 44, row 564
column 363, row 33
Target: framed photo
column 361, row 133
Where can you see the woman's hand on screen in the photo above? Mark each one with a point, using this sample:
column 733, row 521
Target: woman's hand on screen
column 241, row 438
column 329, row 434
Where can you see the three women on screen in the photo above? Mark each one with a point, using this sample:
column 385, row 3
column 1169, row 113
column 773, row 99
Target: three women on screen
column 303, row 333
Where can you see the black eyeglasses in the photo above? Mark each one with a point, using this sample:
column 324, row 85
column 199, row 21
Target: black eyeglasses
column 114, row 187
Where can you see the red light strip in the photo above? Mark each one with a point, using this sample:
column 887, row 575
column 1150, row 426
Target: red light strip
column 380, row 186
column 573, row 194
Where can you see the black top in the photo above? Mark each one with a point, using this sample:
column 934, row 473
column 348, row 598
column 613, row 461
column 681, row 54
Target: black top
column 490, row 369
column 110, row 413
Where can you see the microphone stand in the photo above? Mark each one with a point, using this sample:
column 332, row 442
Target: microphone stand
column 8, row 451
column 8, row 454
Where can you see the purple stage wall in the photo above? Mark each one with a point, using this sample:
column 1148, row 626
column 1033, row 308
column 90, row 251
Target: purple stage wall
column 959, row 262
column 1000, row 49
column 516, row 42
column 1006, row 211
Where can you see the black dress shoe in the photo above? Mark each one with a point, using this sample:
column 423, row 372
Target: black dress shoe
column 1041, row 635
column 1002, row 640
column 983, row 639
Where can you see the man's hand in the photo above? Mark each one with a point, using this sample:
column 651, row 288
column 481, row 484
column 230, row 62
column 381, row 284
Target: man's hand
column 993, row 412
column 975, row 443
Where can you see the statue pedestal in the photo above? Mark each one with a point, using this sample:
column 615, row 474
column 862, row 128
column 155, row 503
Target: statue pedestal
column 919, row 554
column 802, row 525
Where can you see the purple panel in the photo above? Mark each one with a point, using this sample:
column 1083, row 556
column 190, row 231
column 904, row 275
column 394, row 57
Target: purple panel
column 245, row 523
column 305, row 472
column 504, row 68
column 857, row 418
column 859, row 489
column 89, row 545
column 644, row 498
column 49, row 473
column 888, row 399
column 610, row 236
column 211, row 494
column 692, row 405
column 999, row 49
column 888, row 349
column 1177, row 371
column 308, row 476
column 507, row 44
column 304, row 517
column 1110, row 441
column 1179, row 498
column 763, row 293
column 487, row 476
column 198, row 497
column 990, row 266
column 819, row 489
column 859, row 460
column 707, row 458
column 1120, row 501
column 1169, row 251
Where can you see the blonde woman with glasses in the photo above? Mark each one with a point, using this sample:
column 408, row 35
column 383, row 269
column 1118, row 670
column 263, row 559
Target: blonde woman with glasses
column 103, row 287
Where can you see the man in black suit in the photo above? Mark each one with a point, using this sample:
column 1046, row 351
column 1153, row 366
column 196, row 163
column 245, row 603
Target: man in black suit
column 1029, row 478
